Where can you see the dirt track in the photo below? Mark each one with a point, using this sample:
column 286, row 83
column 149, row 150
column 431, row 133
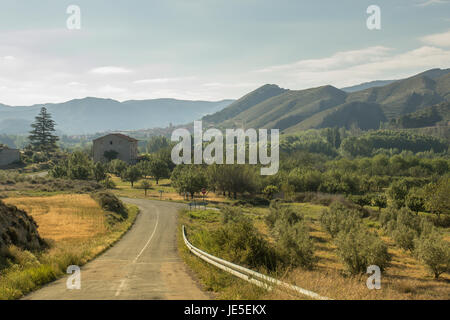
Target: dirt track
column 144, row 264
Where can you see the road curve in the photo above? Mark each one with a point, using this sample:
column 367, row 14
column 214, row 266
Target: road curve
column 143, row 265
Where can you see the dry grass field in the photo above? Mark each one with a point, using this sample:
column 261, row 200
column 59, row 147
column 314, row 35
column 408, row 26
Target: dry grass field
column 76, row 228
column 64, row 217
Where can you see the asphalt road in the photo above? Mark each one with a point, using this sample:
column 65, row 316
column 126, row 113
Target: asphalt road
column 144, row 264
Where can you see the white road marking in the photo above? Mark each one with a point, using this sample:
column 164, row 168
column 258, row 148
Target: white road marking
column 122, row 282
column 150, row 239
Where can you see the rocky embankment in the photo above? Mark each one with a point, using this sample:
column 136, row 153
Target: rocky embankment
column 19, row 229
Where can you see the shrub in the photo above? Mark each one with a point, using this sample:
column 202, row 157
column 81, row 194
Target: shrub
column 434, row 252
column 110, row 202
column 253, row 201
column 99, row 171
column 270, row 191
column 338, row 218
column 363, row 200
column 379, row 200
column 359, row 248
column 108, row 183
column 282, row 213
column 241, row 243
column 230, row 214
column 404, row 237
column 295, row 245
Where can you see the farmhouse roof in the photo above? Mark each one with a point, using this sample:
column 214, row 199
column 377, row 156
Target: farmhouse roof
column 120, row 135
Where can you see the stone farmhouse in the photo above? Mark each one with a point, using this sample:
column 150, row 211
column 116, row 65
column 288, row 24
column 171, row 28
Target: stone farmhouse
column 119, row 145
column 8, row 156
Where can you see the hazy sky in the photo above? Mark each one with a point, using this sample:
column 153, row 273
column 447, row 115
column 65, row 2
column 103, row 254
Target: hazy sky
column 210, row 49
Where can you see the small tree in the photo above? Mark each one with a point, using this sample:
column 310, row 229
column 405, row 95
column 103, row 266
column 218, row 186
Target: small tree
column 359, row 248
column 42, row 136
column 415, row 201
column 132, row 174
column 79, row 166
column 145, row 184
column 117, row 167
column 295, row 244
column 396, row 193
column 270, row 191
column 158, row 169
column 99, row 171
column 434, row 252
column 437, row 198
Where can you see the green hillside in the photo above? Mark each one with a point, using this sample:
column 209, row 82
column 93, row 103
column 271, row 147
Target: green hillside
column 403, row 96
column 326, row 106
column 427, row 117
column 249, row 100
column 362, row 114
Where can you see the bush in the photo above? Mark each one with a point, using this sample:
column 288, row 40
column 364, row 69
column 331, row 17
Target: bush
column 108, row 183
column 254, row 201
column 241, row 243
column 359, row 248
column 270, row 191
column 363, row 200
column 404, row 237
column 283, row 213
column 110, row 202
column 379, row 200
column 338, row 218
column 230, row 214
column 295, row 245
column 434, row 252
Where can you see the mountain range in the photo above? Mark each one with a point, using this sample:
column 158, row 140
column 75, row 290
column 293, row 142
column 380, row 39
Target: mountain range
column 91, row 115
column 365, row 106
column 292, row 110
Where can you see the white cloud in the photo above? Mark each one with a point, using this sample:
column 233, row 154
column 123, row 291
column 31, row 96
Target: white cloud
column 336, row 61
column 229, row 85
column 431, row 2
column 109, row 70
column 75, row 83
column 353, row 67
column 162, row 80
column 108, row 89
column 438, row 39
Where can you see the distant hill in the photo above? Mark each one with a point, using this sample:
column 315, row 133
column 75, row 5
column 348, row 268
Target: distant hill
column 368, row 85
column 405, row 96
column 91, row 115
column 246, row 102
column 433, row 74
column 327, row 106
column 427, row 117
